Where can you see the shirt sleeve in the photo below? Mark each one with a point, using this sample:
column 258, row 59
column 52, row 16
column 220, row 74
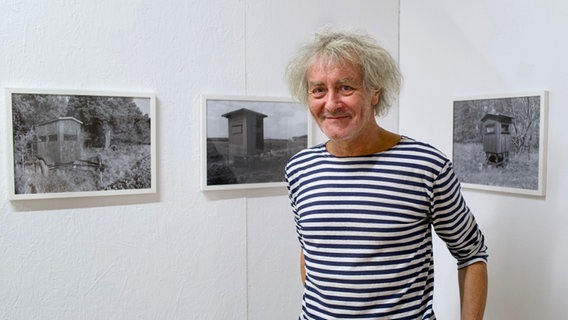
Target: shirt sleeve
column 453, row 221
column 296, row 215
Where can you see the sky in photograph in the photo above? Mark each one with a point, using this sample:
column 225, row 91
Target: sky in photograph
column 284, row 119
column 143, row 104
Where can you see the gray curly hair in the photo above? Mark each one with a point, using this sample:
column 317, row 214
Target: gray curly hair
column 380, row 71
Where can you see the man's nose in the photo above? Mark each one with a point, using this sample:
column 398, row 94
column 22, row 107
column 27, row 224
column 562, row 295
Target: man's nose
column 332, row 99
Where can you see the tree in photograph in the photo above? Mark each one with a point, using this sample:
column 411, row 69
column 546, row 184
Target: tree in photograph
column 94, row 116
column 467, row 116
column 128, row 123
column 110, row 120
column 29, row 110
column 526, row 111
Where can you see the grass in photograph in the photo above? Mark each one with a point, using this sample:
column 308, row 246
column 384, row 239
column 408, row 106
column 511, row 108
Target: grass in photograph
column 127, row 167
column 521, row 171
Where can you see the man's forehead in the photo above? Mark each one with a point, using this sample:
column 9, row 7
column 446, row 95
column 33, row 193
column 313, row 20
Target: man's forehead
column 340, row 69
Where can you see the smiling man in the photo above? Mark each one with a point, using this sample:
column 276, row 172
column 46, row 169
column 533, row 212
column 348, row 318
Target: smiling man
column 339, row 102
column 366, row 201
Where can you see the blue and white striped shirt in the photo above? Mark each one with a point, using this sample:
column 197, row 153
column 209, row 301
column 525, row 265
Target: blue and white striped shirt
column 364, row 224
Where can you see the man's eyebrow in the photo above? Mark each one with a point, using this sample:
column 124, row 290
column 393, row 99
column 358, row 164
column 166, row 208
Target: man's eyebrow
column 340, row 81
column 315, row 83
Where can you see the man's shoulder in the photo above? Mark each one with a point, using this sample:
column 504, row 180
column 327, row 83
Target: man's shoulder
column 305, row 157
column 308, row 152
column 411, row 145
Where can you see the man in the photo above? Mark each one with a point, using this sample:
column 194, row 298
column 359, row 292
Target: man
column 365, row 201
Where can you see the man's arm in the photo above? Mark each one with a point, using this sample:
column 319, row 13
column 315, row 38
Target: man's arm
column 473, row 290
column 303, row 267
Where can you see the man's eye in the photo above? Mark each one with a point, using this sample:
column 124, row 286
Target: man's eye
column 318, row 92
column 347, row 90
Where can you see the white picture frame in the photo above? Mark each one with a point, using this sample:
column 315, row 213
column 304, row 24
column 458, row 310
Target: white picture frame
column 500, row 142
column 247, row 140
column 69, row 144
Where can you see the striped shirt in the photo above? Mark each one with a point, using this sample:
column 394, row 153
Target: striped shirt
column 364, row 225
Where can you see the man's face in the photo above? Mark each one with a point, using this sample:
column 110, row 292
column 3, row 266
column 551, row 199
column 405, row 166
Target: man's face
column 339, row 101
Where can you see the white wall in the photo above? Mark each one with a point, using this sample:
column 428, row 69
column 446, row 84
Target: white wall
column 461, row 48
column 181, row 254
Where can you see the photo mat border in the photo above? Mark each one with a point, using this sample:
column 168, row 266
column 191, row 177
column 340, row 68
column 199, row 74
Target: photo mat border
column 540, row 190
column 12, row 195
column 204, row 100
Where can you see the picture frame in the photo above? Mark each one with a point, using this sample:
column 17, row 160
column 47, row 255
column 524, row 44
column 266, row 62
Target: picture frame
column 247, row 140
column 500, row 142
column 68, row 144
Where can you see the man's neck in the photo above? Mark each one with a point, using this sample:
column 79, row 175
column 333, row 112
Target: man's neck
column 377, row 141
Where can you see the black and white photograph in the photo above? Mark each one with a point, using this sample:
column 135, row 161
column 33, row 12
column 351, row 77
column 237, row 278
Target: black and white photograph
column 80, row 144
column 499, row 142
column 248, row 140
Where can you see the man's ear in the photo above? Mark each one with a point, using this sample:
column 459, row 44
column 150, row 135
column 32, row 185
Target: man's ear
column 376, row 96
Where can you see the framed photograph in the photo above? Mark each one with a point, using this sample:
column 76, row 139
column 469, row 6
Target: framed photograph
column 499, row 142
column 247, row 141
column 81, row 144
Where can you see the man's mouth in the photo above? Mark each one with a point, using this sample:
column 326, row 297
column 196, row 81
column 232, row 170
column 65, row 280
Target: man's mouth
column 336, row 117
